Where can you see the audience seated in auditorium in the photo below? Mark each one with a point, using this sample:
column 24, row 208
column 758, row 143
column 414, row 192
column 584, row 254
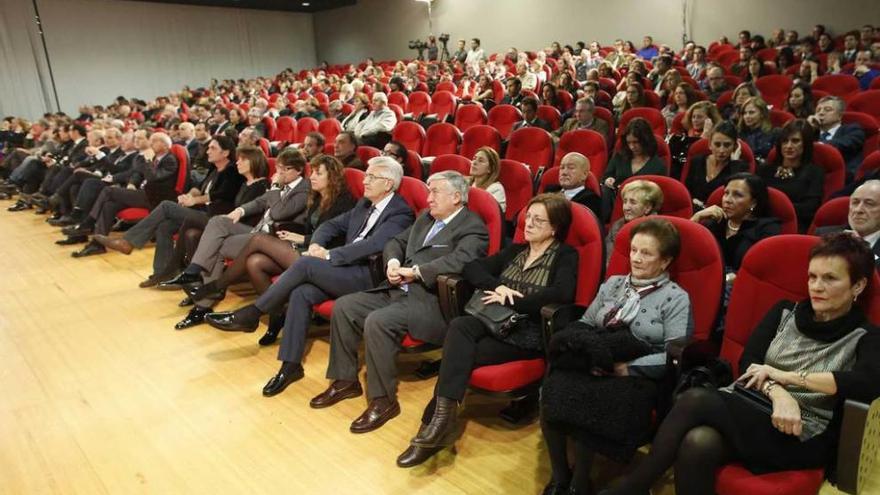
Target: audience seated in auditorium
column 529, row 108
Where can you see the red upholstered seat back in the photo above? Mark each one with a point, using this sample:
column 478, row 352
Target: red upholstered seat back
column 774, row 89
column 182, row 156
column 834, row 212
column 586, row 142
column 517, row 182
column 419, row 103
column 652, row 115
column 415, row 193
column 503, row 117
column 355, row 180
column 483, row 204
column 532, row 146
column 676, row 198
column 698, row 269
column 410, row 134
column 329, row 128
column 304, row 126
column 364, row 153
column 443, row 104
column 468, row 116
column 285, row 130
column 478, row 136
column 450, row 162
column 441, row 139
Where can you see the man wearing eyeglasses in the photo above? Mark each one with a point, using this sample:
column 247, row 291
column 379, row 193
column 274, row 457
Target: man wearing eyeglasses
column 715, row 83
column 443, row 239
column 321, row 274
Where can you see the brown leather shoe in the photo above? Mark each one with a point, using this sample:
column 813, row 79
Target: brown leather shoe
column 380, row 410
column 118, row 244
column 338, row 391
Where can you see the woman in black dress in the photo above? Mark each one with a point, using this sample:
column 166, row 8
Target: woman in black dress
column 794, row 173
column 709, row 172
column 806, row 358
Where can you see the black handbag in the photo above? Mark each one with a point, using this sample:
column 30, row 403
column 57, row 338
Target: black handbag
column 499, row 319
column 753, row 398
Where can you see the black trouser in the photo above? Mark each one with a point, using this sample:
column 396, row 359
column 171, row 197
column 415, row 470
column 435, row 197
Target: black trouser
column 88, row 194
column 468, row 345
column 67, row 192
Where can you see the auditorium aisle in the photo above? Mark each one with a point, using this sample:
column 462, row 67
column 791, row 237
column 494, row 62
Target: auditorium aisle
column 102, row 395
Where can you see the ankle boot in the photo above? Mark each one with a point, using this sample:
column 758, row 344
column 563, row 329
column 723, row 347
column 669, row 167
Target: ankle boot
column 440, row 431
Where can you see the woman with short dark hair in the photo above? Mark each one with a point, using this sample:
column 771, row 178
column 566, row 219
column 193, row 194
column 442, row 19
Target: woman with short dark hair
column 524, row 277
column 806, row 358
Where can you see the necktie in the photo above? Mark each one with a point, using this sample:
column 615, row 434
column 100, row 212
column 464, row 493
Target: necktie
column 825, row 136
column 438, row 226
column 362, row 230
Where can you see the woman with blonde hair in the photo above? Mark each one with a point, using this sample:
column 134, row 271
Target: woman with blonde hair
column 755, row 128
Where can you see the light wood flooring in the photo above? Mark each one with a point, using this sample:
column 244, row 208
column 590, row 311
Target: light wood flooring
column 102, row 395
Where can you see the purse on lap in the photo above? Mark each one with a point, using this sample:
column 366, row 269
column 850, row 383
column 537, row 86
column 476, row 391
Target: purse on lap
column 499, row 319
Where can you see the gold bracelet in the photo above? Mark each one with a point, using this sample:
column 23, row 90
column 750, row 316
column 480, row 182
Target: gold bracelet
column 769, row 388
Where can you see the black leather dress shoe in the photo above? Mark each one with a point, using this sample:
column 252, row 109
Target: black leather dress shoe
column 186, row 301
column 229, row 322
column 91, row 248
column 61, row 222
column 72, row 240
column 207, row 291
column 77, row 230
column 288, row 374
column 413, row 456
column 195, row 317
column 180, row 281
column 19, row 206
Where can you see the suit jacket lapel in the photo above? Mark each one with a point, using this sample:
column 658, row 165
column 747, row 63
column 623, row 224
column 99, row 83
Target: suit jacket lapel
column 445, row 234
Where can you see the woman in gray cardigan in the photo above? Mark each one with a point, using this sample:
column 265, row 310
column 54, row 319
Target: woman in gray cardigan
column 608, row 408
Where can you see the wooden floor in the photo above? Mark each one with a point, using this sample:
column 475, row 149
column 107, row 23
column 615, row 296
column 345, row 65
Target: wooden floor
column 102, row 395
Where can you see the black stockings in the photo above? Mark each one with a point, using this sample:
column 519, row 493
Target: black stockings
column 557, row 446
column 695, row 438
column 263, row 257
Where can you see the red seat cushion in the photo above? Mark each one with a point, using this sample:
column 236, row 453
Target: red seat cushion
column 408, row 341
column 133, row 214
column 325, row 308
column 734, row 479
column 508, row 376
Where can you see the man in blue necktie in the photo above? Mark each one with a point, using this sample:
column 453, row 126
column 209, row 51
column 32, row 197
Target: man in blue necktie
column 442, row 240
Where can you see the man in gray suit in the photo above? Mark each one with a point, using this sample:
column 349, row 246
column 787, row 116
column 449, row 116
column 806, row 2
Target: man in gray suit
column 225, row 237
column 442, row 240
column 863, row 217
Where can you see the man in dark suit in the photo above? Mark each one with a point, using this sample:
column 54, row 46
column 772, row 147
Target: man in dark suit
column 322, row 274
column 847, row 138
column 221, row 121
column 225, row 236
column 59, row 172
column 441, row 240
column 864, row 217
column 152, row 181
column 529, row 108
column 513, row 96
column 573, row 172
column 345, row 150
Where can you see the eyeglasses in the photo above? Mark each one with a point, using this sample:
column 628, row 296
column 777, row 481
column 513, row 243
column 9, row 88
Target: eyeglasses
column 370, row 178
column 537, row 221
